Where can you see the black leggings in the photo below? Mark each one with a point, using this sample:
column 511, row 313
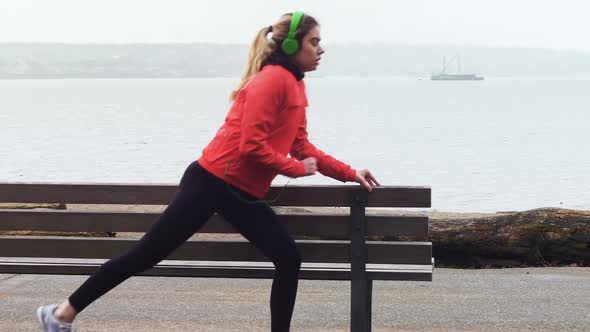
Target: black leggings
column 201, row 194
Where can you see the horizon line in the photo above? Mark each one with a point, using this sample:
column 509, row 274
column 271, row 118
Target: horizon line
column 416, row 45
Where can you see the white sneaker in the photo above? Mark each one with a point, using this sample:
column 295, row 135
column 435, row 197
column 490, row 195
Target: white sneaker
column 48, row 322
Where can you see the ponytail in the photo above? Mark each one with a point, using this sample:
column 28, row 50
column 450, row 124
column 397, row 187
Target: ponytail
column 259, row 51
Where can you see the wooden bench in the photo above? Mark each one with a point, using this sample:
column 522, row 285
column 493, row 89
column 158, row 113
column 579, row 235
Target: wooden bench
column 354, row 245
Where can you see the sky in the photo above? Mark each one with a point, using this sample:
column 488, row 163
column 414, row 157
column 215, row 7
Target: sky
column 556, row 24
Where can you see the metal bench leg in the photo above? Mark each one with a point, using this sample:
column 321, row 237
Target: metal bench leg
column 361, row 287
column 362, row 291
column 369, row 304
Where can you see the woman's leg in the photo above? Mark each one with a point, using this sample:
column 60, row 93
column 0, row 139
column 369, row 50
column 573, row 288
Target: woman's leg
column 194, row 203
column 259, row 224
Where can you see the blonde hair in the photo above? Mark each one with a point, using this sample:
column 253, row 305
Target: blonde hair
column 262, row 48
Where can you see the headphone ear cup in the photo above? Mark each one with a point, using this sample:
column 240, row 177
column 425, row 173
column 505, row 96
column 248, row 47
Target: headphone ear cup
column 290, row 46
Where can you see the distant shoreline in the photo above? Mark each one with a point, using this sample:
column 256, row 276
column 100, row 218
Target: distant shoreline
column 29, row 60
column 315, row 76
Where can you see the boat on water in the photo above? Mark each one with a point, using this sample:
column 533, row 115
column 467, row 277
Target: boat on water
column 444, row 76
column 456, row 77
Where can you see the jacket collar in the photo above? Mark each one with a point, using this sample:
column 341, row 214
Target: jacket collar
column 281, row 60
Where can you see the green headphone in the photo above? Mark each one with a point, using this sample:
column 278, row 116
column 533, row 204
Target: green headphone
column 290, row 45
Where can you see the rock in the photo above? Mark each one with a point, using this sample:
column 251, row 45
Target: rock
column 539, row 237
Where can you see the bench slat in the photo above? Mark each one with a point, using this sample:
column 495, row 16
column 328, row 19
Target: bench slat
column 168, row 268
column 337, row 251
column 161, row 194
column 333, row 226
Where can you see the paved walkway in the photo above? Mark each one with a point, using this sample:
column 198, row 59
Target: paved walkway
column 531, row 299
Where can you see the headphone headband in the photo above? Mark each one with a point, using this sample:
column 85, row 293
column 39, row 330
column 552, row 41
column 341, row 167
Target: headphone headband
column 295, row 19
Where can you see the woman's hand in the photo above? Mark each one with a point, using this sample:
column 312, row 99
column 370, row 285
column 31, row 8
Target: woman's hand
column 366, row 179
column 311, row 165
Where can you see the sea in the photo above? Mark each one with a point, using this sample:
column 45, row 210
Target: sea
column 502, row 144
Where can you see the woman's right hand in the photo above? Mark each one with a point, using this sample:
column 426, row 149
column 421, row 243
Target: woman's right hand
column 311, row 165
column 366, row 179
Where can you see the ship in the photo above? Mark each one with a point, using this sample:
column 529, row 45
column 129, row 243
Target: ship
column 444, row 76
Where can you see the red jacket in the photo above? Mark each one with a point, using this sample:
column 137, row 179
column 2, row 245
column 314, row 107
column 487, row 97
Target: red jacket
column 265, row 123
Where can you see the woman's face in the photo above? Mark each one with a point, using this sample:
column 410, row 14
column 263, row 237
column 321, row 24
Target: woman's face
column 308, row 57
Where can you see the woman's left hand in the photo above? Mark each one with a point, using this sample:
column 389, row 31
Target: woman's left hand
column 365, row 178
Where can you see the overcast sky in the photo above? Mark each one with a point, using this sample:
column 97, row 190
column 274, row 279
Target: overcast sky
column 557, row 24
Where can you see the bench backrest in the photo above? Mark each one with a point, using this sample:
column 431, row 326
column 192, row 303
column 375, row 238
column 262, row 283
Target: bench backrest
column 333, row 237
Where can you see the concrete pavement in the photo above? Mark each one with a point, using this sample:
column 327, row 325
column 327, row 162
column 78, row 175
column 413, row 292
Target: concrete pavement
column 523, row 299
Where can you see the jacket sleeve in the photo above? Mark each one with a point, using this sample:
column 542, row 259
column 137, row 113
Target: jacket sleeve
column 327, row 165
column 262, row 100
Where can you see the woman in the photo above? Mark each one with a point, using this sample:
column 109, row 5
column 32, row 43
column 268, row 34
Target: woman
column 265, row 123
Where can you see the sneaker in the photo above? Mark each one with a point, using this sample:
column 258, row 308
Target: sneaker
column 48, row 322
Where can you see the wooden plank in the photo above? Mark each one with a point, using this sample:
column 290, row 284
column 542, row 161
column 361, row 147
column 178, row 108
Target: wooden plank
column 336, row 251
column 398, row 226
column 313, row 271
column 383, row 196
column 331, row 226
column 82, row 193
column 161, row 194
